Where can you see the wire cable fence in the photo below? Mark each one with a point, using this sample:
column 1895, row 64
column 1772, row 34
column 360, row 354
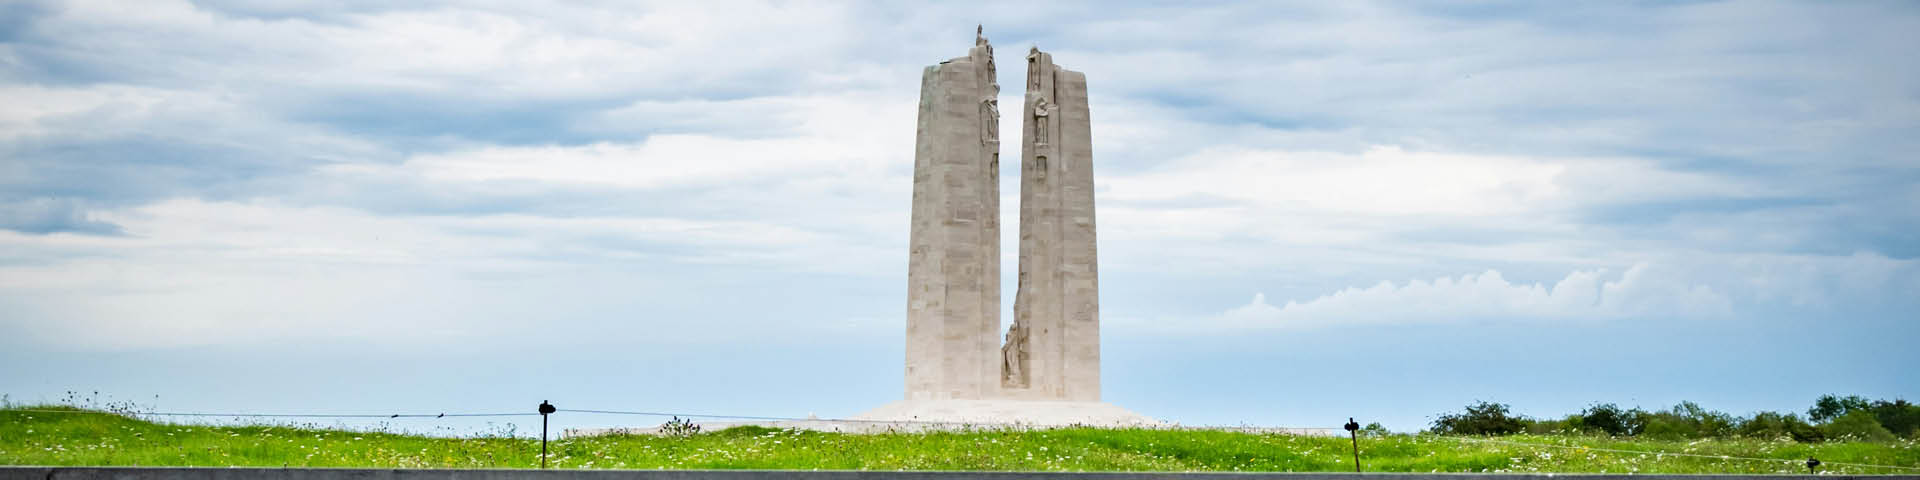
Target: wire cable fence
column 616, row 412
column 985, row 424
column 979, row 424
column 135, row 413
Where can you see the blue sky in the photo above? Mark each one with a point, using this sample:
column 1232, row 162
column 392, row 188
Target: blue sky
column 1308, row 211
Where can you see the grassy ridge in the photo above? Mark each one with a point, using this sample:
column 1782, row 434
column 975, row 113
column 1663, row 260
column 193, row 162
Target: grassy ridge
column 96, row 438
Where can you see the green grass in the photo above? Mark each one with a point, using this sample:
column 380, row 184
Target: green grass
column 83, row 437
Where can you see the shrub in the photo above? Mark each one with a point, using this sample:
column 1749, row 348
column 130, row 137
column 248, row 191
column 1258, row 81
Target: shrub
column 1830, row 407
column 1374, row 429
column 1833, row 417
column 1898, row 416
column 1857, row 425
column 1687, row 420
column 1568, row 424
column 679, row 427
column 1779, row 425
column 1481, row 418
column 1663, row 427
column 1609, row 418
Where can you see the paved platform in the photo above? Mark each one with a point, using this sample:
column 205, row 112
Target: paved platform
column 962, row 415
column 1044, row 413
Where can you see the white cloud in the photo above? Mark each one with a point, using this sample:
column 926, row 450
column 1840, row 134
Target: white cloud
column 823, row 136
column 520, row 50
column 1224, row 207
column 106, row 112
column 1641, row 291
column 1383, row 180
column 1863, row 278
column 29, row 108
column 1373, row 141
column 191, row 272
column 1390, row 180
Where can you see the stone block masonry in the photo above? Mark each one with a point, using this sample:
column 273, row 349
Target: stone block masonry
column 1053, row 349
column 953, row 273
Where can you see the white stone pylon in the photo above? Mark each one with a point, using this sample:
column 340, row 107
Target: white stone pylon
column 953, row 273
column 1053, row 349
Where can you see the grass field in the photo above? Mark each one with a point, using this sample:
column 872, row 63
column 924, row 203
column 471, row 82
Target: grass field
column 84, row 437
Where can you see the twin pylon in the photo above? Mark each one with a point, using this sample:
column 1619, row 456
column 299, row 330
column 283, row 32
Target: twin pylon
column 954, row 342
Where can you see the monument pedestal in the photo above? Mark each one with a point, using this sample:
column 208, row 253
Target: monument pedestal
column 993, row 413
column 908, row 416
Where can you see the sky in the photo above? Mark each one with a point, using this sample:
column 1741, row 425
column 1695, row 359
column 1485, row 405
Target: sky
column 1308, row 211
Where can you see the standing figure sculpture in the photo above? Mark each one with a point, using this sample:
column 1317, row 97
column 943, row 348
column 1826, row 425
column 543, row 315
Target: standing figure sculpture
column 1014, row 353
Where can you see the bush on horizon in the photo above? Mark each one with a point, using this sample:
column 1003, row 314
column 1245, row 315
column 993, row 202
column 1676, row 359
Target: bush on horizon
column 1481, row 418
column 1834, row 417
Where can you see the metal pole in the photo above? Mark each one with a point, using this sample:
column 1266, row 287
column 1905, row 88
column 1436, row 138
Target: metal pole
column 545, row 408
column 1353, row 428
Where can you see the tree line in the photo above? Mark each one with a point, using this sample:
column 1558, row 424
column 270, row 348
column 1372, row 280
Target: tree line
column 1830, row 418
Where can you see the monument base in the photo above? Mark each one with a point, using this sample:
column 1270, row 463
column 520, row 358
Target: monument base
column 963, row 415
column 938, row 416
column 1012, row 413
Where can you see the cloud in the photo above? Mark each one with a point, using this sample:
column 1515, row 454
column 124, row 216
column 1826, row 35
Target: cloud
column 501, row 50
column 404, row 182
column 1266, row 207
column 190, row 272
column 1383, row 180
column 815, row 137
column 1372, row 141
column 1641, row 291
column 1822, row 281
column 52, row 215
column 1708, row 287
column 116, row 145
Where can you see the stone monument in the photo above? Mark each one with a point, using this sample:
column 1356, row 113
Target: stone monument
column 953, row 270
column 1048, row 370
column 1057, row 305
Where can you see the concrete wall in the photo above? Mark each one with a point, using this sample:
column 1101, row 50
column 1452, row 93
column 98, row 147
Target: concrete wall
column 100, row 473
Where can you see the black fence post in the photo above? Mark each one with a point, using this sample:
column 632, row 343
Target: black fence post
column 545, row 409
column 1353, row 428
column 1812, row 465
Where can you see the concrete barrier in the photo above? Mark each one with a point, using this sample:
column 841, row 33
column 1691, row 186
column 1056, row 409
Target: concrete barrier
column 198, row 473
